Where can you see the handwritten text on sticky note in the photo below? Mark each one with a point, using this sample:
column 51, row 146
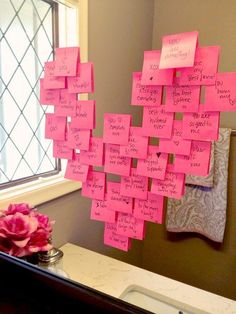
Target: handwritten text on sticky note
column 176, row 144
column 182, row 98
column 157, row 122
column 137, row 145
column 113, row 239
column 94, row 186
column 151, row 74
column 150, row 209
column 66, row 105
column 134, row 186
column 55, row 127
column 130, row 226
column 172, row 186
column 221, row 96
column 100, row 212
column 204, row 69
column 67, row 59
column 94, row 155
column 154, row 166
column 116, row 201
column 178, row 50
column 201, row 125
column 198, row 162
column 116, row 128
column 62, row 150
column 145, row 95
column 75, row 170
column 51, row 81
column 114, row 162
column 85, row 115
column 83, row 83
column 78, row 139
column 48, row 96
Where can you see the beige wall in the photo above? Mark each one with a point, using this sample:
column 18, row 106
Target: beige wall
column 119, row 32
column 188, row 257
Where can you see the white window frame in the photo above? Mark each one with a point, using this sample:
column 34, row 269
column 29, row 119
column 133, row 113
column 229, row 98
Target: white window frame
column 45, row 189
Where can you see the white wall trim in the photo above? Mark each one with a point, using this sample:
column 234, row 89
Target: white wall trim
column 39, row 191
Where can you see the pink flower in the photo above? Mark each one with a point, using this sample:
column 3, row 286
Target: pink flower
column 18, row 208
column 18, row 228
column 24, row 231
column 44, row 222
column 39, row 242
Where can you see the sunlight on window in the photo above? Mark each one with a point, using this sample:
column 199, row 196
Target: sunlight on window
column 26, row 42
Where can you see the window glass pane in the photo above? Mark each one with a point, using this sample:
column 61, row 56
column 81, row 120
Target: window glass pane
column 26, row 42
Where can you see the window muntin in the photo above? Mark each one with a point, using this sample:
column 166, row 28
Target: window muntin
column 26, row 42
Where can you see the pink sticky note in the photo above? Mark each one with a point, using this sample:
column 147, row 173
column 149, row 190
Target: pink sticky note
column 67, row 59
column 154, row 166
column 100, row 211
column 221, row 96
column 134, row 186
column 67, row 104
column 94, row 155
column 84, row 82
column 55, row 127
column 48, row 96
column 116, row 201
column 197, row 163
column 85, row 115
column 75, row 170
column 204, row 69
column 114, row 162
column 145, row 95
column 137, row 145
column 182, row 98
column 62, row 150
column 94, row 186
column 130, row 226
column 151, row 74
column 157, row 122
column 172, row 186
column 116, row 128
column 201, row 126
column 51, row 81
column 178, row 50
column 150, row 209
column 113, row 239
column 176, row 144
column 78, row 139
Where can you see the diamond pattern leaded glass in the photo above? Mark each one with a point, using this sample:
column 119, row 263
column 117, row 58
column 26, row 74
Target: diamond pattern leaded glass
column 26, row 42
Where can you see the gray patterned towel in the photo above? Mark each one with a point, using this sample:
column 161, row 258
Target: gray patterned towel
column 204, row 211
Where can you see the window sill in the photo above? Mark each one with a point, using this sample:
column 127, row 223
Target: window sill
column 38, row 192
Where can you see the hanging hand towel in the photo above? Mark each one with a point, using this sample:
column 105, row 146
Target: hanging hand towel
column 204, row 211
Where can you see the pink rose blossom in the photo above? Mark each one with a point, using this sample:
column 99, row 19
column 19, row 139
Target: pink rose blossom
column 18, row 226
column 39, row 242
column 24, row 231
column 44, row 222
column 18, row 208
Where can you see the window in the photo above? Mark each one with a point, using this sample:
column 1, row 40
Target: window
column 28, row 34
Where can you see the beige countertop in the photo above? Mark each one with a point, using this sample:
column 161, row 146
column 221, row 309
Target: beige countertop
column 113, row 277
